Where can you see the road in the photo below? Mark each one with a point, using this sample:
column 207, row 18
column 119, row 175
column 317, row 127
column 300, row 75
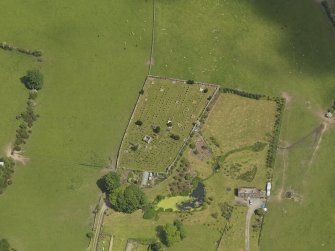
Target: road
column 97, row 226
column 256, row 203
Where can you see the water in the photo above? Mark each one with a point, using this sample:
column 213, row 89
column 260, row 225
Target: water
column 198, row 196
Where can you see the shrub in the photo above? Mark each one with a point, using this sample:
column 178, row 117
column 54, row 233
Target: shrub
column 138, row 122
column 226, row 210
column 33, row 80
column 33, row 95
column 156, row 129
column 190, row 82
column 149, row 212
column 174, row 136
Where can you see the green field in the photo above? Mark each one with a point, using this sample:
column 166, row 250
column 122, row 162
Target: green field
column 95, row 62
column 265, row 47
column 162, row 101
column 90, row 65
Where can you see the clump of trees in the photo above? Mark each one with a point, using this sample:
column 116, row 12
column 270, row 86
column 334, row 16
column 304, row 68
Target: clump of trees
column 271, row 155
column 6, row 172
column 28, row 117
column 33, row 80
column 122, row 198
column 172, row 233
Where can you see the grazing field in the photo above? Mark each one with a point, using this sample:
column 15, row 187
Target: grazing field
column 162, row 102
column 294, row 56
column 95, row 56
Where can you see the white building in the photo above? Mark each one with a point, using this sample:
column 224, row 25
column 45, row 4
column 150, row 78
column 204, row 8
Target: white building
column 2, row 163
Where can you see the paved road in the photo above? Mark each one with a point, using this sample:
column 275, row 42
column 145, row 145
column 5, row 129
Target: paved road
column 256, row 203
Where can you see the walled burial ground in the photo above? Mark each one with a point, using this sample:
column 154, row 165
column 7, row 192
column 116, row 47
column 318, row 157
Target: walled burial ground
column 235, row 124
column 162, row 101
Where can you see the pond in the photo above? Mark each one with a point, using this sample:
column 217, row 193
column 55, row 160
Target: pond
column 198, row 197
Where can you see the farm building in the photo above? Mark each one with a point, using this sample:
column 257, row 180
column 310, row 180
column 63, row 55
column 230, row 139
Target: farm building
column 2, row 163
column 250, row 192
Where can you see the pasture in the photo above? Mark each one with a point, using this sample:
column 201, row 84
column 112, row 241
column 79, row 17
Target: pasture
column 163, row 102
column 294, row 55
column 92, row 71
column 95, row 64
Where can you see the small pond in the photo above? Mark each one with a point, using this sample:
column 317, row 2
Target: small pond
column 198, row 197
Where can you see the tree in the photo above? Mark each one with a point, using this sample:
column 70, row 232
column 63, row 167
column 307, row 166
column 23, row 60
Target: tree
column 156, row 129
column 112, row 181
column 128, row 199
column 138, row 122
column 33, row 80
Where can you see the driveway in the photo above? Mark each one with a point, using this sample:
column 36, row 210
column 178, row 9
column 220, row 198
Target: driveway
column 255, row 204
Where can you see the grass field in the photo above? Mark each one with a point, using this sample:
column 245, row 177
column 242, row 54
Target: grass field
column 92, row 82
column 161, row 102
column 295, row 55
column 92, row 62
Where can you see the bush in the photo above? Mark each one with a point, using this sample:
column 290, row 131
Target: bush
column 192, row 145
column 174, row 136
column 156, row 129
column 190, row 82
column 138, row 122
column 33, row 80
column 149, row 212
column 226, row 210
